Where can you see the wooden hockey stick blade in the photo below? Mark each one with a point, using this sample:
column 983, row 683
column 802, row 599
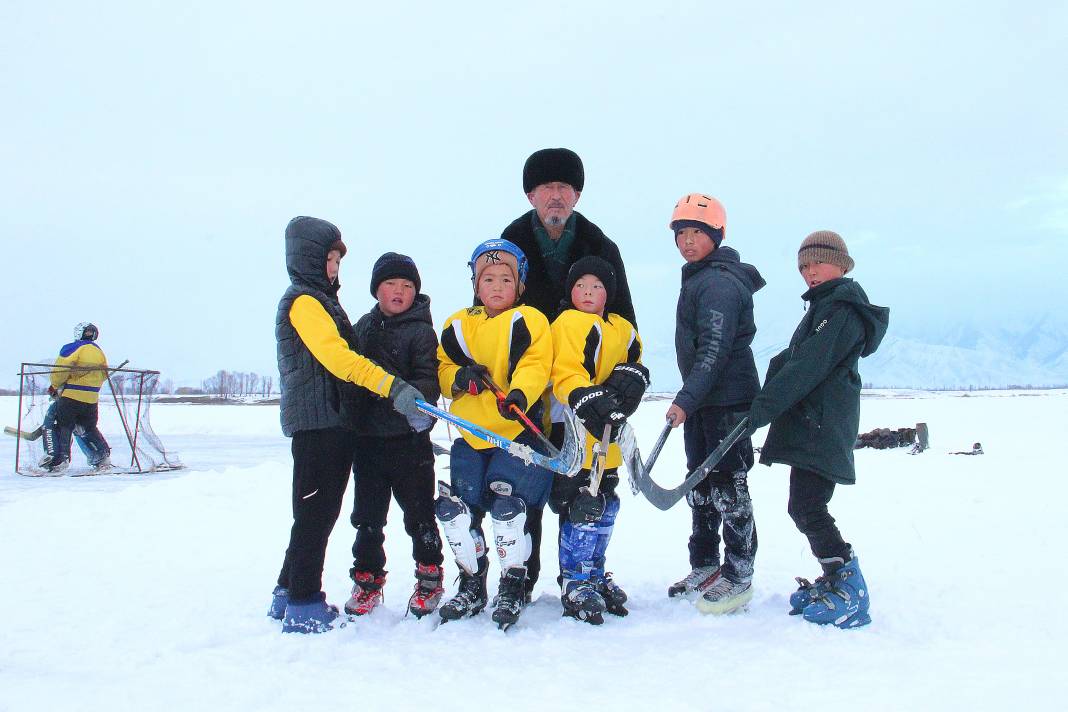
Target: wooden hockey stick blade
column 31, row 435
column 663, row 499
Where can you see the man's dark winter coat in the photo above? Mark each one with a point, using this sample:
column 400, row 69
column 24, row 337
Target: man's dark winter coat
column 405, row 345
column 714, row 329
column 310, row 395
column 811, row 395
column 545, row 295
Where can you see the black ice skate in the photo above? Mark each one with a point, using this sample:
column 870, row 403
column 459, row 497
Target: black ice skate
column 470, row 597
column 511, row 598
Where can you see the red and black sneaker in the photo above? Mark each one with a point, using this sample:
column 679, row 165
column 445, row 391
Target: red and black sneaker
column 428, row 589
column 366, row 593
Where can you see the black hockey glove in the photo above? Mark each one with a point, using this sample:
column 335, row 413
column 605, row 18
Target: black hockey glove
column 629, row 380
column 587, row 508
column 516, row 398
column 469, row 379
column 404, row 397
column 596, row 407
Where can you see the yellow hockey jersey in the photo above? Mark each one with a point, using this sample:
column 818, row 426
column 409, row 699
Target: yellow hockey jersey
column 79, row 371
column 516, row 346
column 585, row 350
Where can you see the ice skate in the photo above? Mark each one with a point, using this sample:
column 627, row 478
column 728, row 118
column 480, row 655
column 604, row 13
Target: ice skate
column 725, row 596
column 511, row 598
column 614, row 596
column 695, row 583
column 470, row 598
column 582, row 601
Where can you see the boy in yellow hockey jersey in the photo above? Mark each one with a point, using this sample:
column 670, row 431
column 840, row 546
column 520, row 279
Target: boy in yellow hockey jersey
column 512, row 346
column 597, row 370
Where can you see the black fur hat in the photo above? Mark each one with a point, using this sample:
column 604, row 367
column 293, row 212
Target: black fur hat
column 553, row 164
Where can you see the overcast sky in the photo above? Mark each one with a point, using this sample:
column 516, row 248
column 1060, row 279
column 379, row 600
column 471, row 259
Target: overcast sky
column 153, row 152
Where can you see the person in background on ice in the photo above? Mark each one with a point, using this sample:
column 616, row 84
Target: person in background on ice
column 714, row 329
column 512, row 346
column 597, row 370
column 392, row 453
column 80, row 370
column 811, row 398
column 315, row 357
column 553, row 235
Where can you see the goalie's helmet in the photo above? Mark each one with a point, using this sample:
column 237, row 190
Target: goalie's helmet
column 700, row 208
column 86, row 331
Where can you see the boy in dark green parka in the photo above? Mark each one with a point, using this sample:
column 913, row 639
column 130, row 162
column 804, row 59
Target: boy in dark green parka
column 811, row 398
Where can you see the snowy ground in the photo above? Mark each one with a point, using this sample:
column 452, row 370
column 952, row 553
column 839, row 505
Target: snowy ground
column 149, row 592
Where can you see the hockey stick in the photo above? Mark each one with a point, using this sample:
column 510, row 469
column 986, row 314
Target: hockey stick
column 567, row 462
column 31, row 435
column 499, row 393
column 663, row 499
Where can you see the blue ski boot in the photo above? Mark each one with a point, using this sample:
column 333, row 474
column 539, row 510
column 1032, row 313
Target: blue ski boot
column 806, row 592
column 279, row 600
column 843, row 602
column 314, row 616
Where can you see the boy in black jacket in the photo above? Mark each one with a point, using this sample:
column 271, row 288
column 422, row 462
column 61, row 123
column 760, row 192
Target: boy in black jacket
column 811, row 397
column 714, row 328
column 393, row 453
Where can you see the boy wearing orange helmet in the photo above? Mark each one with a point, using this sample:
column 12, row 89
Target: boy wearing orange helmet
column 714, row 329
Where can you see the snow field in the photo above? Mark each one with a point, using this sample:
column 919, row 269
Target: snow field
column 149, row 592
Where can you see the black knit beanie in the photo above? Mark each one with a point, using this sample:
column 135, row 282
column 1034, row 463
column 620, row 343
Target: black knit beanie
column 392, row 265
column 553, row 164
column 599, row 268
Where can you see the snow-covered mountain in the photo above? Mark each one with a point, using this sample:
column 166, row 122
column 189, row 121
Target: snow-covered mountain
column 1022, row 352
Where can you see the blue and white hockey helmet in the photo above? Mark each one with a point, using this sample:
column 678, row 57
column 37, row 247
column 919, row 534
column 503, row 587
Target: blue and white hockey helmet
column 498, row 251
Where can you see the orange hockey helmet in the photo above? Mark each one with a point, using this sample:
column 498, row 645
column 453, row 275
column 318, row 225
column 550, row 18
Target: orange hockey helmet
column 701, row 208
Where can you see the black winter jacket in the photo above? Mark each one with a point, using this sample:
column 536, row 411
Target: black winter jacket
column 545, row 295
column 811, row 395
column 406, row 345
column 310, row 396
column 714, row 330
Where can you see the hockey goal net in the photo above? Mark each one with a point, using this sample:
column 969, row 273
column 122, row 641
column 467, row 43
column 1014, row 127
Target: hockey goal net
column 125, row 407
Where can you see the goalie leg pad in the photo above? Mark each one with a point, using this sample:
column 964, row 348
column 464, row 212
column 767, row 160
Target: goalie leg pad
column 509, row 516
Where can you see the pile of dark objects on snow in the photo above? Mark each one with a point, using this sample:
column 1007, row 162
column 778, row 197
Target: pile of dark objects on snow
column 886, row 438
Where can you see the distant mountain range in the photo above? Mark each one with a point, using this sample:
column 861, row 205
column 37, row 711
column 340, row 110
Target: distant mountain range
column 1028, row 353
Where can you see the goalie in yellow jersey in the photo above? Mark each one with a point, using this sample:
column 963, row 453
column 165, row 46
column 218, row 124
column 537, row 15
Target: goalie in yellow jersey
column 597, row 371
column 80, row 370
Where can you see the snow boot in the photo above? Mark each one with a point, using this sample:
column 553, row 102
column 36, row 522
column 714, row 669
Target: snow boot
column 695, row 582
column 510, row 598
column 725, row 596
column 805, row 593
column 366, row 592
column 614, row 596
column 582, row 601
column 428, row 589
column 470, row 597
column 844, row 602
column 279, row 600
column 314, row 616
